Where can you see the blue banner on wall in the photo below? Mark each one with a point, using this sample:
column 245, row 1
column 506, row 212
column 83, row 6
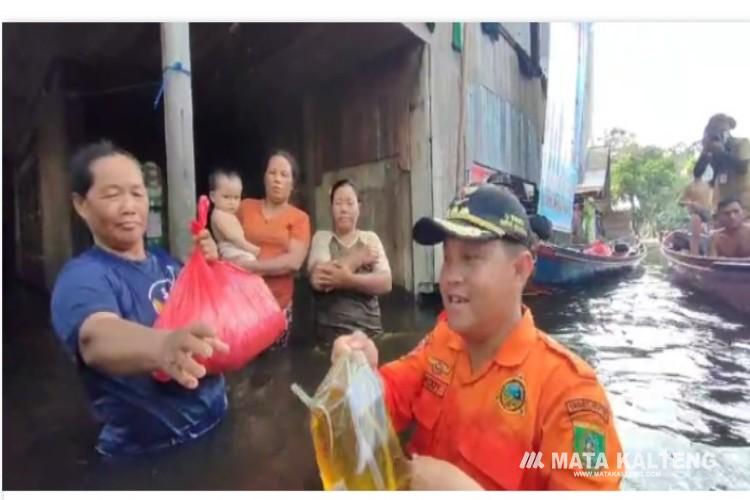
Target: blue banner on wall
column 564, row 141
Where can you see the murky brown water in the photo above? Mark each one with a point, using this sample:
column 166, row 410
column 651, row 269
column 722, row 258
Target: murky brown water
column 677, row 368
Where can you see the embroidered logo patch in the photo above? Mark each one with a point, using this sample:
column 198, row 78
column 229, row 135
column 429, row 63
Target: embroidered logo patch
column 581, row 405
column 439, row 367
column 512, row 395
column 588, row 439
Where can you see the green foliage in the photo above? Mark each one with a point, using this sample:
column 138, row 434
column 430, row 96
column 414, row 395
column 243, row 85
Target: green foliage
column 651, row 179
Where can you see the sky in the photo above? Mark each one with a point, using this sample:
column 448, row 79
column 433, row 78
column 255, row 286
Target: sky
column 663, row 81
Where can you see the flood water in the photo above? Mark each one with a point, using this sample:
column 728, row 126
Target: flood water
column 676, row 366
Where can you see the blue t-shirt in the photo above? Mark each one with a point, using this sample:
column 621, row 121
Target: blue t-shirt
column 138, row 413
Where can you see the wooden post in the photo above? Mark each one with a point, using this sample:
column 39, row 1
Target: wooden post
column 461, row 164
column 308, row 156
column 54, row 182
column 178, row 131
column 423, row 257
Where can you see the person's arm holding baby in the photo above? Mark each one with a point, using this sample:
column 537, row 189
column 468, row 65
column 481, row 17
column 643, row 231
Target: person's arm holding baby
column 229, row 228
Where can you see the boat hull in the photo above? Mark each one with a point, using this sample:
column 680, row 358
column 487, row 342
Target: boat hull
column 726, row 279
column 559, row 266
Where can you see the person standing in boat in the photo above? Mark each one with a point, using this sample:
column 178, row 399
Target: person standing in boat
column 697, row 199
column 589, row 221
column 729, row 157
column 577, row 224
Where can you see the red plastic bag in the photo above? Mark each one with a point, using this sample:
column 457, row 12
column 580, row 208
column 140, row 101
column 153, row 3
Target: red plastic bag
column 237, row 304
column 599, row 248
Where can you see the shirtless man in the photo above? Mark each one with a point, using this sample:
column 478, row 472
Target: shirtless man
column 733, row 240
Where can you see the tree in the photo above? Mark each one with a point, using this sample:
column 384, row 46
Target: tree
column 651, row 179
column 618, row 140
column 688, row 150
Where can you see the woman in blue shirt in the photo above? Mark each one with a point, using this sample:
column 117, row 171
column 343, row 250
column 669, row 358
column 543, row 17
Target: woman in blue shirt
column 104, row 304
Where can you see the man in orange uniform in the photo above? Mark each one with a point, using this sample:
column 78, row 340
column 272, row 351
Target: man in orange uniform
column 486, row 388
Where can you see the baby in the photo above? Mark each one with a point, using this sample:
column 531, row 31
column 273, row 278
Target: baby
column 226, row 194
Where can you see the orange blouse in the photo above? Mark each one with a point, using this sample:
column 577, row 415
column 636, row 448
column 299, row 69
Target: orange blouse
column 273, row 235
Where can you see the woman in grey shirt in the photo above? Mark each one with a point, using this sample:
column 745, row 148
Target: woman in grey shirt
column 348, row 270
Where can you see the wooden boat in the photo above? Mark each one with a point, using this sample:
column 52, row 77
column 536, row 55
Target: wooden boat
column 726, row 279
column 570, row 266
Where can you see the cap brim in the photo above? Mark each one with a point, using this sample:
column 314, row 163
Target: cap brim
column 428, row 231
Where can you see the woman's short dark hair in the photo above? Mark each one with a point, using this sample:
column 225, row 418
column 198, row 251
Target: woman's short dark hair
column 81, row 177
column 341, row 183
column 292, row 161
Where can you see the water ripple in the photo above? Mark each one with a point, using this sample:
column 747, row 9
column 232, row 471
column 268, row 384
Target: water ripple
column 676, row 367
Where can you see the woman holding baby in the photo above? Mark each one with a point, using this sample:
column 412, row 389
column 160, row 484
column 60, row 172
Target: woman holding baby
column 275, row 236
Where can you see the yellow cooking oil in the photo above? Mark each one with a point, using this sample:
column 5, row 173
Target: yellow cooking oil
column 356, row 447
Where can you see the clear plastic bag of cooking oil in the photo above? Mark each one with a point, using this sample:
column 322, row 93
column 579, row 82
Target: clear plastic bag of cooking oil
column 355, row 445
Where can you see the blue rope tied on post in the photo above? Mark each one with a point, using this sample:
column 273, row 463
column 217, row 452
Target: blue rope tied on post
column 178, row 67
